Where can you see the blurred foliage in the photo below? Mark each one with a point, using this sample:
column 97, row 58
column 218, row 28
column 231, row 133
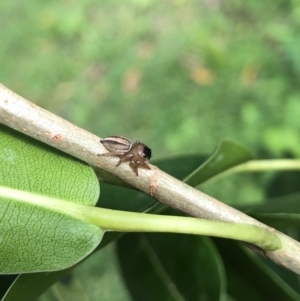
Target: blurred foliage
column 179, row 75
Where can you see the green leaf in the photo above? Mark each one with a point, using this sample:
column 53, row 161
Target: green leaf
column 30, row 165
column 28, row 287
column 278, row 212
column 180, row 166
column 227, row 155
column 285, row 204
column 250, row 278
column 171, row 267
column 35, row 239
column 98, row 278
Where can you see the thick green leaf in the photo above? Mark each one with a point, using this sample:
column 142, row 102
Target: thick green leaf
column 283, row 183
column 180, row 166
column 282, row 207
column 280, row 221
column 5, row 283
column 30, row 165
column 98, row 278
column 249, row 278
column 285, row 204
column 89, row 281
column 279, row 212
column 28, row 287
column 110, row 198
column 171, row 267
column 34, row 238
column 227, row 155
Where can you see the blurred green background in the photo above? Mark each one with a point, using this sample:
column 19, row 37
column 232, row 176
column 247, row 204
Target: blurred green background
column 178, row 75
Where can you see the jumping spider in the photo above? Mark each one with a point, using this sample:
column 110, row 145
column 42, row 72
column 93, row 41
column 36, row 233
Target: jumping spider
column 137, row 154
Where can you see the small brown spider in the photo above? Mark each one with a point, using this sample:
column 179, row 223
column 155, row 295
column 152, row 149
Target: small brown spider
column 137, row 154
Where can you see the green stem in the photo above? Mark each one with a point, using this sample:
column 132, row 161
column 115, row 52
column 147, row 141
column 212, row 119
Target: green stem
column 267, row 165
column 258, row 166
column 114, row 220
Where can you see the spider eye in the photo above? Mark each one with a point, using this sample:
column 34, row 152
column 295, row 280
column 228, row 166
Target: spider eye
column 147, row 152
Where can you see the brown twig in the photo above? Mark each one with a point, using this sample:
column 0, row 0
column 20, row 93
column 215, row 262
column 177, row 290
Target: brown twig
column 26, row 117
